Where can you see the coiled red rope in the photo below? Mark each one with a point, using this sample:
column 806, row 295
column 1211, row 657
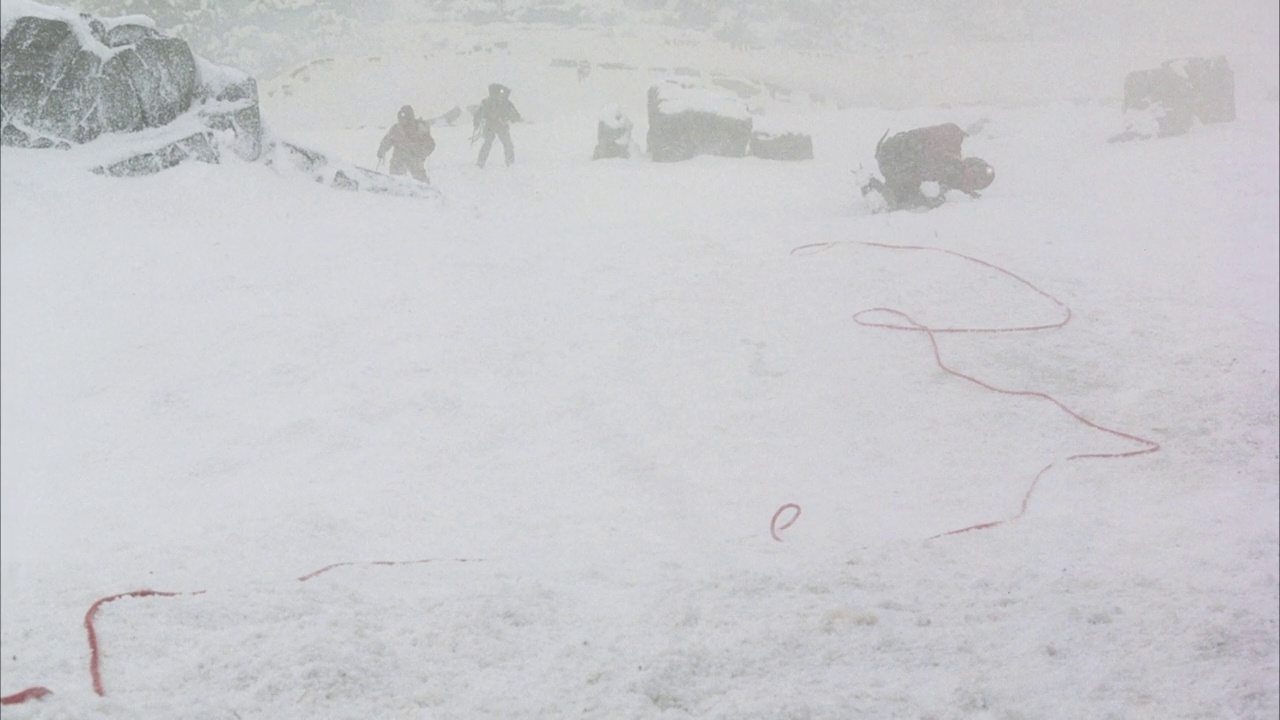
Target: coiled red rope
column 909, row 324
column 774, row 527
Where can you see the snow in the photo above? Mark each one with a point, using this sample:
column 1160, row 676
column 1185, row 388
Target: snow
column 11, row 10
column 582, row 389
column 217, row 77
column 679, row 96
column 15, row 9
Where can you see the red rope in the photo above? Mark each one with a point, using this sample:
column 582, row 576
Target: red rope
column 31, row 693
column 909, row 324
column 327, row 568
column 774, row 527
column 94, row 654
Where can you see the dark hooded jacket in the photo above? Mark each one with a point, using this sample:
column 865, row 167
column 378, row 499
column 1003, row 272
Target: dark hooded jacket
column 409, row 141
column 497, row 110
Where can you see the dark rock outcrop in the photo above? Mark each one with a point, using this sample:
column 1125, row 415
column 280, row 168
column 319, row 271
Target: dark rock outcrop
column 687, row 119
column 200, row 147
column 781, row 146
column 1168, row 100
column 74, row 79
column 68, row 79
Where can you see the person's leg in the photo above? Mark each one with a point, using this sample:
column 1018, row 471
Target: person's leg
column 485, row 147
column 508, row 150
column 419, row 173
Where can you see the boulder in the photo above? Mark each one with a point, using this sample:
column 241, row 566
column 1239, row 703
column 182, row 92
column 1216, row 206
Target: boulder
column 200, row 146
column 687, row 119
column 47, row 82
column 288, row 158
column 781, row 145
column 66, row 79
column 70, row 78
column 231, row 103
column 1168, row 100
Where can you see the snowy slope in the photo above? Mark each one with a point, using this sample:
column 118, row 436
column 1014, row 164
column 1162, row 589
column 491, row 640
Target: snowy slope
column 596, row 382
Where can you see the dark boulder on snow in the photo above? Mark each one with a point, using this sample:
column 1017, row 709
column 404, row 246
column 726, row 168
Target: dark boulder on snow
column 687, row 119
column 67, row 79
column 200, row 146
column 781, row 145
column 1168, row 100
column 62, row 78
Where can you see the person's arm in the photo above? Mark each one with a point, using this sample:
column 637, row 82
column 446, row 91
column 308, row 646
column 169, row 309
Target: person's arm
column 387, row 142
column 428, row 142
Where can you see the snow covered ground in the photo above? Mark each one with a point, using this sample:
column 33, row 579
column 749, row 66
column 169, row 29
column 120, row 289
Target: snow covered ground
column 596, row 382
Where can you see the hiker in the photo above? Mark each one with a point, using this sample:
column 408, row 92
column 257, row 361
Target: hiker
column 410, row 142
column 928, row 154
column 493, row 119
column 613, row 135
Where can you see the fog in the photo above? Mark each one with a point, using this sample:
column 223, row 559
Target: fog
column 884, row 53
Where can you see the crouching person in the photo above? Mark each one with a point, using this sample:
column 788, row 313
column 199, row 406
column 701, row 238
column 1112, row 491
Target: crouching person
column 613, row 135
column 410, row 142
column 910, row 159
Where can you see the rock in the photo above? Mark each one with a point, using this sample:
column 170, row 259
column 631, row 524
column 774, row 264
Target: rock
column 1168, row 100
column 45, row 86
column 128, row 35
column 200, row 146
column 687, row 119
column 781, row 146
column 234, row 107
column 289, row 158
column 67, row 79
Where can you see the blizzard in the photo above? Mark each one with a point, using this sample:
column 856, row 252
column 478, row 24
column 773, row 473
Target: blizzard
column 624, row 439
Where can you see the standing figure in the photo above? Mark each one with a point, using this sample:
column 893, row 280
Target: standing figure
column 613, row 135
column 410, row 143
column 929, row 154
column 493, row 119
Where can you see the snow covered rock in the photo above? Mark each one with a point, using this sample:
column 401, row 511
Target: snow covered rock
column 687, row 119
column 1168, row 100
column 69, row 79
column 76, row 77
column 288, row 158
column 136, row 101
column 199, row 146
column 781, row 145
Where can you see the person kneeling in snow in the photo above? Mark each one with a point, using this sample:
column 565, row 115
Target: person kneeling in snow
column 613, row 135
column 410, row 143
column 926, row 155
